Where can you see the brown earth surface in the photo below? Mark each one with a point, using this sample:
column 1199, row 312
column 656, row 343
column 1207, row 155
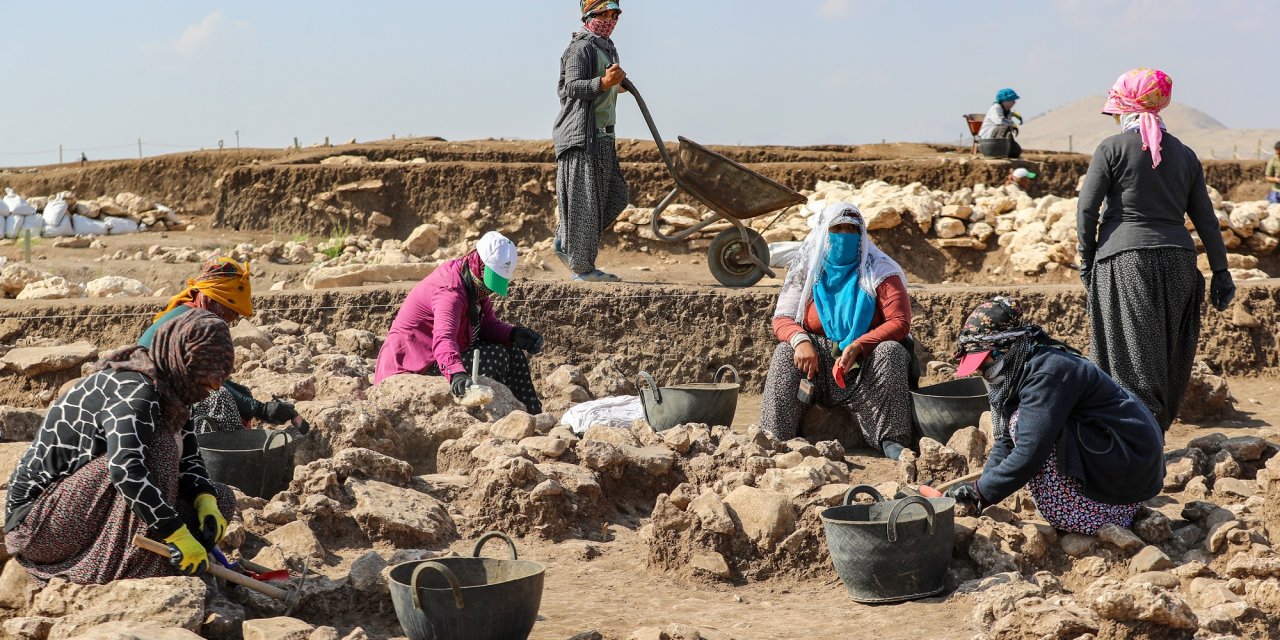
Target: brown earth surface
column 669, row 319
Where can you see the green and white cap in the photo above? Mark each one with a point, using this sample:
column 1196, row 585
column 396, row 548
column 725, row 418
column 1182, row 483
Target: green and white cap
column 499, row 257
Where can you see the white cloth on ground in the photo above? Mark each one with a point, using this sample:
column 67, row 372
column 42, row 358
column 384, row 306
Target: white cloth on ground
column 614, row 411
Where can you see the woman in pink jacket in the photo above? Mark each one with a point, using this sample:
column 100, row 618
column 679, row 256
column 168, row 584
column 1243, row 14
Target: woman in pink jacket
column 449, row 316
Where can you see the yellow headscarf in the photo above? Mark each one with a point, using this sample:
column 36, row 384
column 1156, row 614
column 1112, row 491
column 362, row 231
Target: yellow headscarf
column 224, row 281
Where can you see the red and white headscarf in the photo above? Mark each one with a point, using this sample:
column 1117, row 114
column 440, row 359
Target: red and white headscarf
column 1144, row 92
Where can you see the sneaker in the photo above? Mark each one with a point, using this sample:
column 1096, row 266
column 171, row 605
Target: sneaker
column 596, row 276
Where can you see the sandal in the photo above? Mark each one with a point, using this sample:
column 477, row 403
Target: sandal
column 596, row 276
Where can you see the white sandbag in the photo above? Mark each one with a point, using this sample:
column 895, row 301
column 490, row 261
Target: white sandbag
column 613, row 411
column 56, row 231
column 781, row 253
column 55, row 211
column 86, row 226
column 4, row 208
column 120, row 226
column 15, row 225
column 18, row 206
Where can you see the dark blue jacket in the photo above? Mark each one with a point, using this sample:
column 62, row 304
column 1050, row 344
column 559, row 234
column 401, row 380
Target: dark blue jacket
column 1106, row 438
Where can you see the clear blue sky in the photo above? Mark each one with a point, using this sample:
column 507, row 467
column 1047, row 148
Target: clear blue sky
column 102, row 74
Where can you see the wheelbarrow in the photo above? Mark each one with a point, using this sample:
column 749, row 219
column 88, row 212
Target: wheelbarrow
column 738, row 257
column 468, row 598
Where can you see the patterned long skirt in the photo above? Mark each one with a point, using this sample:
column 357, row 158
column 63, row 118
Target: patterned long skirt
column 1060, row 500
column 1144, row 308
column 591, row 192
column 81, row 528
column 877, row 398
column 506, row 364
column 218, row 412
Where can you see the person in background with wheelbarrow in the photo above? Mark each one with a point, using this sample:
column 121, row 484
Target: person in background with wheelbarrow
column 590, row 188
column 999, row 122
column 841, row 314
column 223, row 289
column 117, row 456
column 1089, row 451
column 449, row 316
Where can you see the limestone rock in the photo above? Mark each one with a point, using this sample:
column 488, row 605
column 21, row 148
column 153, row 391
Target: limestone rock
column 1208, row 397
column 247, row 335
column 711, row 563
column 972, row 444
column 116, row 287
column 135, row 631
column 1077, row 545
column 18, row 424
column 296, row 540
column 766, row 516
column 1119, row 537
column 53, row 288
column 16, row 587
column 939, row 462
column 15, row 277
column 358, row 342
column 1144, row 602
column 1151, row 558
column 516, row 425
column 355, row 275
column 359, row 462
column 949, row 228
column 35, row 361
column 276, row 629
column 654, row 461
column 423, row 241
column 403, row 517
column 170, row 602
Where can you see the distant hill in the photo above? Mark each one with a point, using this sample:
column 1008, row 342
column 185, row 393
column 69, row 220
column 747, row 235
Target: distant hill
column 1084, row 122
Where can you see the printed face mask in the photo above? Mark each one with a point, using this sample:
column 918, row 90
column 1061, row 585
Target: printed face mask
column 844, row 248
column 994, row 372
column 601, row 27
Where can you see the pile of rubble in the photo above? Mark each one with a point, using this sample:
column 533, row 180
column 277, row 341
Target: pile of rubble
column 26, row 282
column 63, row 214
column 1035, row 235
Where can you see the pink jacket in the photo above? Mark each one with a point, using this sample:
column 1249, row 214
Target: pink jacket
column 433, row 326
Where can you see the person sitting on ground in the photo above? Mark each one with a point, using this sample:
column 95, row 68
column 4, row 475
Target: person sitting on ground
column 843, row 309
column 1089, row 451
column 999, row 122
column 117, row 456
column 1020, row 179
column 449, row 316
column 222, row 288
column 1273, row 176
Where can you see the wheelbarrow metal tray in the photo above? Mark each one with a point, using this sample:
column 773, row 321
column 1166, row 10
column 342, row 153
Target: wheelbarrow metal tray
column 727, row 186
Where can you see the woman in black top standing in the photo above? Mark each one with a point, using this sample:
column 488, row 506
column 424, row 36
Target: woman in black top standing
column 1146, row 294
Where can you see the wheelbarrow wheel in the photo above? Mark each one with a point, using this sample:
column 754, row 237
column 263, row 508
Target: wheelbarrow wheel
column 729, row 262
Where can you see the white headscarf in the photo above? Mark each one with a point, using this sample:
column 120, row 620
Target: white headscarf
column 806, row 267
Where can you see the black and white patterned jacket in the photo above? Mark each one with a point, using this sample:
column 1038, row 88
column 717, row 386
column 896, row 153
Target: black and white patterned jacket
column 115, row 414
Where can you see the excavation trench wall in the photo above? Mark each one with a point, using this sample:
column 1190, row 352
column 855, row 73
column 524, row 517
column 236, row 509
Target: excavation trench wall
column 679, row 334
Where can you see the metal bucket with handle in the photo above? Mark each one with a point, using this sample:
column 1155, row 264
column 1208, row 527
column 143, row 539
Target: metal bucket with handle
column 711, row 404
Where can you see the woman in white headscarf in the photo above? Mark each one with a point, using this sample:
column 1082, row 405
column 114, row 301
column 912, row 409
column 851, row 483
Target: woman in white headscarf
column 840, row 318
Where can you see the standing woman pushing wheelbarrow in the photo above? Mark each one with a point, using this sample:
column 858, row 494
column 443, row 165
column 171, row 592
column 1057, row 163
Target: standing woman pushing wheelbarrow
column 590, row 189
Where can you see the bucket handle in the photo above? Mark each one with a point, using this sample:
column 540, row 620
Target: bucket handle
column 903, row 504
column 727, row 368
column 442, row 570
column 647, row 380
column 262, row 457
column 475, row 553
column 859, row 490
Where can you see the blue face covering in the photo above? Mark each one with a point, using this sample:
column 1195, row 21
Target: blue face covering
column 843, row 307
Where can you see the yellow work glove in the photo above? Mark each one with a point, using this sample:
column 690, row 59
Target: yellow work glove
column 186, row 553
column 212, row 525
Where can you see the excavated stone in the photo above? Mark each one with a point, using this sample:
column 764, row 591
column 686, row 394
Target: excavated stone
column 1120, row 538
column 171, row 602
column 35, row 361
column 402, row 517
column 766, row 516
column 277, row 629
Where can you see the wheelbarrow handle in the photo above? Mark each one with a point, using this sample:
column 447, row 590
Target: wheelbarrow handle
column 647, row 380
column 217, row 570
column 442, row 570
column 475, row 552
column 648, row 119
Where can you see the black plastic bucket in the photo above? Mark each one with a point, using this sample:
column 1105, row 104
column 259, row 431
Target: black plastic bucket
column 995, row 147
column 712, row 404
column 891, row 551
column 468, row 598
column 941, row 410
column 258, row 462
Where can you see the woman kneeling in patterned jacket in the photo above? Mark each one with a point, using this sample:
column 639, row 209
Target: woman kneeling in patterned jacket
column 117, row 456
column 1089, row 451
